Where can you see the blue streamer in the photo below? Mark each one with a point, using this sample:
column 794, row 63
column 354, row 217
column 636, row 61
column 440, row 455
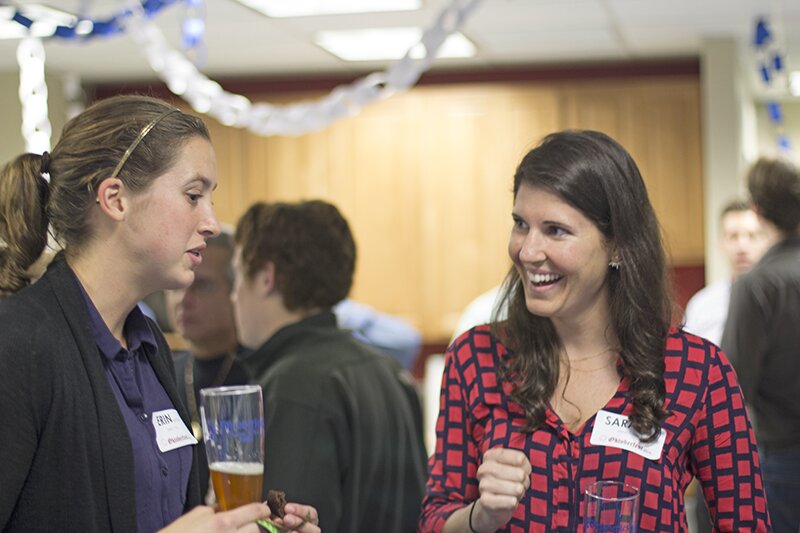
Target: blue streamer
column 775, row 112
column 766, row 77
column 763, row 36
column 777, row 62
column 100, row 28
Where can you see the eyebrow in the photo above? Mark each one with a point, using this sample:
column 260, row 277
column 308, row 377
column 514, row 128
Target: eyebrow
column 205, row 182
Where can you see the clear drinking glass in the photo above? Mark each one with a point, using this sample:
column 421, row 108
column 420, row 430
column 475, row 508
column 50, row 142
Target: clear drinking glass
column 233, row 430
column 610, row 507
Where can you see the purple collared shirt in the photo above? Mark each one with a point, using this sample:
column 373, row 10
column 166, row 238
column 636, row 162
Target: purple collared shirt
column 161, row 477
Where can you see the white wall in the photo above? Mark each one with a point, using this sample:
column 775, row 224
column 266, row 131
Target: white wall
column 729, row 137
column 768, row 132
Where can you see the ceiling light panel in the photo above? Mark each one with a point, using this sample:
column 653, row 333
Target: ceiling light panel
column 388, row 43
column 305, row 8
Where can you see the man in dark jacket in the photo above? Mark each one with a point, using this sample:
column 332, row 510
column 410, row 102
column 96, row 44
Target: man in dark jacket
column 343, row 423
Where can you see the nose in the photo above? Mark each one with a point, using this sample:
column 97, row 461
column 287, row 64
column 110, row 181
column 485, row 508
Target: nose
column 532, row 249
column 210, row 227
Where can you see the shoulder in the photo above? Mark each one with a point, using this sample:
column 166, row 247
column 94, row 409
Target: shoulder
column 691, row 362
column 476, row 347
column 710, row 293
column 30, row 316
column 684, row 347
column 316, row 357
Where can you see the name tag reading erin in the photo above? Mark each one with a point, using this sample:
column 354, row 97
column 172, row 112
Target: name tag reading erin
column 171, row 432
column 611, row 429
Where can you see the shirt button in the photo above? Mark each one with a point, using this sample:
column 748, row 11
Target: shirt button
column 143, row 417
column 164, row 471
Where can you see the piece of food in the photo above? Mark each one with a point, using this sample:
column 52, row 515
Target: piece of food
column 276, row 499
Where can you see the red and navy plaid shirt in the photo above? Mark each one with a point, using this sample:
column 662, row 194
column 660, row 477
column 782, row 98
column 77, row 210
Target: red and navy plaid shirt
column 708, row 435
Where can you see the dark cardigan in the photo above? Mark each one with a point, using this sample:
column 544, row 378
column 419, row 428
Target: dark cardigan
column 67, row 463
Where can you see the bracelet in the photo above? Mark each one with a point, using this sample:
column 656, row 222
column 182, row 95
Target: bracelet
column 471, row 509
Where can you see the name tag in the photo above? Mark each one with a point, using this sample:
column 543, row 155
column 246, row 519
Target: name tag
column 611, row 429
column 171, row 432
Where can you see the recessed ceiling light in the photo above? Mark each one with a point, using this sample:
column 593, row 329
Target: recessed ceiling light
column 303, row 8
column 388, row 43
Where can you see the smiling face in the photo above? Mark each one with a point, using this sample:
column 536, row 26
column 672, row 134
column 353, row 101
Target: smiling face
column 170, row 221
column 561, row 258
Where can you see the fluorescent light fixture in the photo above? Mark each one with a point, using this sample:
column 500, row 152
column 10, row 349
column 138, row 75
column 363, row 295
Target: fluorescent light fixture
column 45, row 21
column 794, row 82
column 388, row 43
column 304, row 8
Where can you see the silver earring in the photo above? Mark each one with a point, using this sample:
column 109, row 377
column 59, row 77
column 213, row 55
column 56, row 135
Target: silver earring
column 615, row 264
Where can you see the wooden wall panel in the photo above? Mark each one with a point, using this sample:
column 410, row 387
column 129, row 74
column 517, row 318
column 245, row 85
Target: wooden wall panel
column 425, row 178
column 659, row 124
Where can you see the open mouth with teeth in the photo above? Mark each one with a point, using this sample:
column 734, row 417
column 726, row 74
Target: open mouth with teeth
column 543, row 280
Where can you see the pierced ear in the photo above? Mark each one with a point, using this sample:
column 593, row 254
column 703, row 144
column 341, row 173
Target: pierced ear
column 110, row 199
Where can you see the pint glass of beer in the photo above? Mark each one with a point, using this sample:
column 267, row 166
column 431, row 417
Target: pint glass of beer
column 233, row 431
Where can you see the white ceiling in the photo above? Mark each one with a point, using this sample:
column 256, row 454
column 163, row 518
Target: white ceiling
column 507, row 33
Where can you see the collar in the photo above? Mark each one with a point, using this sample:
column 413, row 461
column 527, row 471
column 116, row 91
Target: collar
column 136, row 330
column 276, row 346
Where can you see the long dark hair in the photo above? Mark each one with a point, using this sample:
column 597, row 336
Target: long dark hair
column 595, row 175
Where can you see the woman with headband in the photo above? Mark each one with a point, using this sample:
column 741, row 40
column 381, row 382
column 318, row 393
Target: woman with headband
column 82, row 370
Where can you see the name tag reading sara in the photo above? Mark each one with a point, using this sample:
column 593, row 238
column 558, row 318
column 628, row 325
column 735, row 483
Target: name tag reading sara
column 171, row 432
column 611, row 429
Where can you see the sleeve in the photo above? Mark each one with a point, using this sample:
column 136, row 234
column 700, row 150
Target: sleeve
column 452, row 469
column 24, row 396
column 724, row 455
column 746, row 333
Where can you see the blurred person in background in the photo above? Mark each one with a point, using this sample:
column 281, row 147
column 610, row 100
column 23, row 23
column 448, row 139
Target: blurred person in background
column 742, row 241
column 203, row 315
column 762, row 337
column 343, row 422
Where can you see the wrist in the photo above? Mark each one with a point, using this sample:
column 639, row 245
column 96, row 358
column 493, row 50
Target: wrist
column 473, row 520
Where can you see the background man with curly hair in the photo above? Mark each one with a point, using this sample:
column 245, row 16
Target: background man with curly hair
column 343, row 423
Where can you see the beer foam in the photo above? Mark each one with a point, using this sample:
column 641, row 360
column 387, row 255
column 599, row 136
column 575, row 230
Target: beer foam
column 242, row 469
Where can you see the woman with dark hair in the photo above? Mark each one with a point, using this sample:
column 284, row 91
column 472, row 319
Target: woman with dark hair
column 762, row 337
column 84, row 374
column 586, row 380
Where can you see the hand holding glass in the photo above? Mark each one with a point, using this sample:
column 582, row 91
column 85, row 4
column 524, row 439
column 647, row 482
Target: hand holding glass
column 610, row 507
column 233, row 430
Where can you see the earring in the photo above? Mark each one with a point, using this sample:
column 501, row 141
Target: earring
column 615, row 264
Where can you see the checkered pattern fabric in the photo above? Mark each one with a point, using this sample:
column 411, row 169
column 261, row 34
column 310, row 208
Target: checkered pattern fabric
column 708, row 435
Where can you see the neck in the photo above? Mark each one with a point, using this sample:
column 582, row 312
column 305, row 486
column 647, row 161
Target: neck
column 277, row 317
column 111, row 291
column 587, row 340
